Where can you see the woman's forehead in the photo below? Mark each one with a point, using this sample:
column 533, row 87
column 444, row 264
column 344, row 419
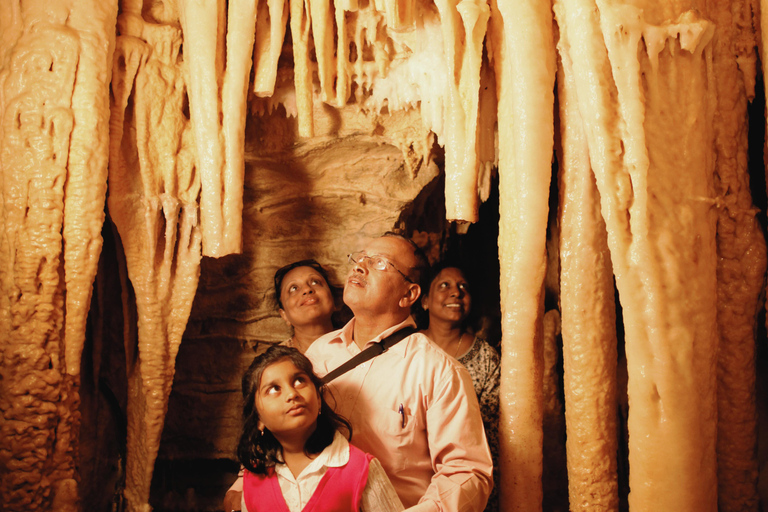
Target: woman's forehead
column 301, row 273
column 450, row 273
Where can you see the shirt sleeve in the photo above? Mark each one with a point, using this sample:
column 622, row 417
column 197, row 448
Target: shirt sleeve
column 458, row 447
column 379, row 495
column 237, row 485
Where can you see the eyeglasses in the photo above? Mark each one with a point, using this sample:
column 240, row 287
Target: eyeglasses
column 375, row 262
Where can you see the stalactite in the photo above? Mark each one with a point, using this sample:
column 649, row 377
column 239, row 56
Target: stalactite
column 463, row 26
column 523, row 60
column 54, row 87
column 153, row 202
column 300, row 21
column 200, row 26
column 323, row 36
column 241, row 23
column 741, row 261
column 270, row 31
column 588, row 310
column 662, row 247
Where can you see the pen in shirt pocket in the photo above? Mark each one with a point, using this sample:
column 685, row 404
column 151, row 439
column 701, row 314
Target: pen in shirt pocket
column 401, row 410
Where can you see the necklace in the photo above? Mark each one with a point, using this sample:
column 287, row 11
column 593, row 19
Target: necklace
column 456, row 355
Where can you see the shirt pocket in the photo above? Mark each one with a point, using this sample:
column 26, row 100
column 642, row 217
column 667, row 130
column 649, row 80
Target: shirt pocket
column 403, row 441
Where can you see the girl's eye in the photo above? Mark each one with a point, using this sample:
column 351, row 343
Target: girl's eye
column 300, row 381
column 272, row 390
column 292, row 288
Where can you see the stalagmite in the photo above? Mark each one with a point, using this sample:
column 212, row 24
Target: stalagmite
column 741, row 261
column 554, row 473
column 588, row 311
column 154, row 189
column 523, row 59
column 650, row 148
column 55, row 65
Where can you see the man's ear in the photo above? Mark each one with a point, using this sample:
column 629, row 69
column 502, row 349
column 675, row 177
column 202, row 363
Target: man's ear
column 412, row 294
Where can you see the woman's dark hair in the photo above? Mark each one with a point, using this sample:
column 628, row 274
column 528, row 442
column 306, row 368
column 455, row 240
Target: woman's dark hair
column 259, row 451
column 438, row 267
column 282, row 271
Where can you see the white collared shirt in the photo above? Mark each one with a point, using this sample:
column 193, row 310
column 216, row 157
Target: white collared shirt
column 378, row 495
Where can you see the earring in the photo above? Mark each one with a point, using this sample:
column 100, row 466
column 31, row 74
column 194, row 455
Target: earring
column 261, row 433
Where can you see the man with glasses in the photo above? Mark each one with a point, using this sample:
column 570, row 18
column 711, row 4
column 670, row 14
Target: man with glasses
column 412, row 407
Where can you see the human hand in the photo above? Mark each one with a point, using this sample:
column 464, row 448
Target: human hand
column 232, row 501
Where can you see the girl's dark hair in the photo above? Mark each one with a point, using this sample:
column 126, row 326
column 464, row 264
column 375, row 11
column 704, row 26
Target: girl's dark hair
column 282, row 271
column 258, row 452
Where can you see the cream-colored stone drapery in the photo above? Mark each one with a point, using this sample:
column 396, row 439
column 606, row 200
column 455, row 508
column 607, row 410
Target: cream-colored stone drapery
column 55, row 69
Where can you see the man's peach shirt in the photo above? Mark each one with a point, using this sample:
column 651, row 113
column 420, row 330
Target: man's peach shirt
column 413, row 408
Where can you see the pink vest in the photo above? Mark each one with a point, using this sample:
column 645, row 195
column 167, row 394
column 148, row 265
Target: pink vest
column 340, row 489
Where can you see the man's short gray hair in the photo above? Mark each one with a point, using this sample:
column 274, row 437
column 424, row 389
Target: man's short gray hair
column 420, row 271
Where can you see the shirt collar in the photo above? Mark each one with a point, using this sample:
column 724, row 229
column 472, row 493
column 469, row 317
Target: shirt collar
column 346, row 333
column 338, row 455
column 333, row 456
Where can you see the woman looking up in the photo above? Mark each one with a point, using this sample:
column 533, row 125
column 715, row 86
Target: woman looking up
column 448, row 303
column 305, row 302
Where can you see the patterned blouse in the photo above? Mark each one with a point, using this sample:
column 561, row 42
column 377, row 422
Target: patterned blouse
column 483, row 363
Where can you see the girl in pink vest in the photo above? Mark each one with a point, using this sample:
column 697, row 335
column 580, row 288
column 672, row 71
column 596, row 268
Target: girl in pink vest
column 292, row 448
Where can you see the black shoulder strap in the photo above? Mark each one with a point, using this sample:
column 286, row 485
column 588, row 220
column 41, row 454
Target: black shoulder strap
column 370, row 352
